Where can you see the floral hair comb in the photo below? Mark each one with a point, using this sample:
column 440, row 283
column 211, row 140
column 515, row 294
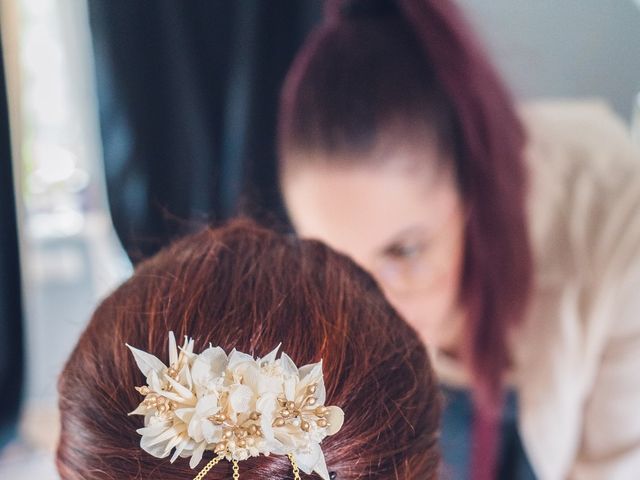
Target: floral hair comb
column 235, row 405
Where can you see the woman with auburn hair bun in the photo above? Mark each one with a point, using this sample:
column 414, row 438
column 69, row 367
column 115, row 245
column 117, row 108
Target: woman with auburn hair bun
column 508, row 238
column 293, row 365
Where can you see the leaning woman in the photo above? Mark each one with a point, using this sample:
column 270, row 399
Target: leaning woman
column 508, row 237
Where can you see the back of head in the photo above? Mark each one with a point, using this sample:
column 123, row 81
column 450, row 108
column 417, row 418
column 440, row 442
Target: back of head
column 244, row 287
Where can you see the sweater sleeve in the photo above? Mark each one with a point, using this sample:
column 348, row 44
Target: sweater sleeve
column 610, row 440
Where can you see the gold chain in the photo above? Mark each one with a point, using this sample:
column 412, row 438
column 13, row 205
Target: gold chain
column 236, row 468
column 208, row 467
column 294, row 464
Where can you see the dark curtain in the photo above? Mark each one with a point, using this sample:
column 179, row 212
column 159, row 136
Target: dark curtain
column 11, row 344
column 188, row 94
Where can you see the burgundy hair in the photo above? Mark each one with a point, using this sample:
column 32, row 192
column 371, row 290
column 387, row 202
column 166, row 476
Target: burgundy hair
column 245, row 287
column 410, row 71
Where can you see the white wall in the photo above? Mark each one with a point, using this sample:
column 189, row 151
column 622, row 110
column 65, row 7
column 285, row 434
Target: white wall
column 564, row 48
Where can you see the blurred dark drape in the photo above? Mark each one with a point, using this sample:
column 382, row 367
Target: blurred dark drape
column 188, row 96
column 11, row 346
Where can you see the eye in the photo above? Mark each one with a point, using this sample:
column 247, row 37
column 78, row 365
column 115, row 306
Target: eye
column 405, row 251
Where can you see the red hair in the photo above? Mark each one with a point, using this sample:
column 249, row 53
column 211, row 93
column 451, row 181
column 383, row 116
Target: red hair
column 411, row 71
column 245, row 287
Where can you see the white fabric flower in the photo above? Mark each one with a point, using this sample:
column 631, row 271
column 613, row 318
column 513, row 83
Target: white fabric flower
column 236, row 405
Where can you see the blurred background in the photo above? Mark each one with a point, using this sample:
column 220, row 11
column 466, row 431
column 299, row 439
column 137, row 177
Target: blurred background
column 124, row 123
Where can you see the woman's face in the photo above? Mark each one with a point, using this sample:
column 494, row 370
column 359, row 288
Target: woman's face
column 403, row 224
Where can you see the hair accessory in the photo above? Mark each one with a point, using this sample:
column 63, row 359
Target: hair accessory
column 235, row 405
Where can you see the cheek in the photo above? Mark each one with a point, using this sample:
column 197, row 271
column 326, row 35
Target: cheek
column 431, row 311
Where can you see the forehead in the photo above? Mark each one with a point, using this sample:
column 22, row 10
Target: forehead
column 358, row 210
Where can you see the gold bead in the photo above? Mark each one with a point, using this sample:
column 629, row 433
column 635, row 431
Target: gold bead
column 220, row 447
column 144, row 390
column 321, row 411
column 285, row 413
column 254, row 415
column 241, row 443
column 322, row 423
column 291, row 405
column 305, row 426
column 241, row 433
column 218, row 418
column 253, row 430
column 311, row 401
column 227, row 434
column 278, row 422
column 311, row 389
column 282, row 401
column 173, row 373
